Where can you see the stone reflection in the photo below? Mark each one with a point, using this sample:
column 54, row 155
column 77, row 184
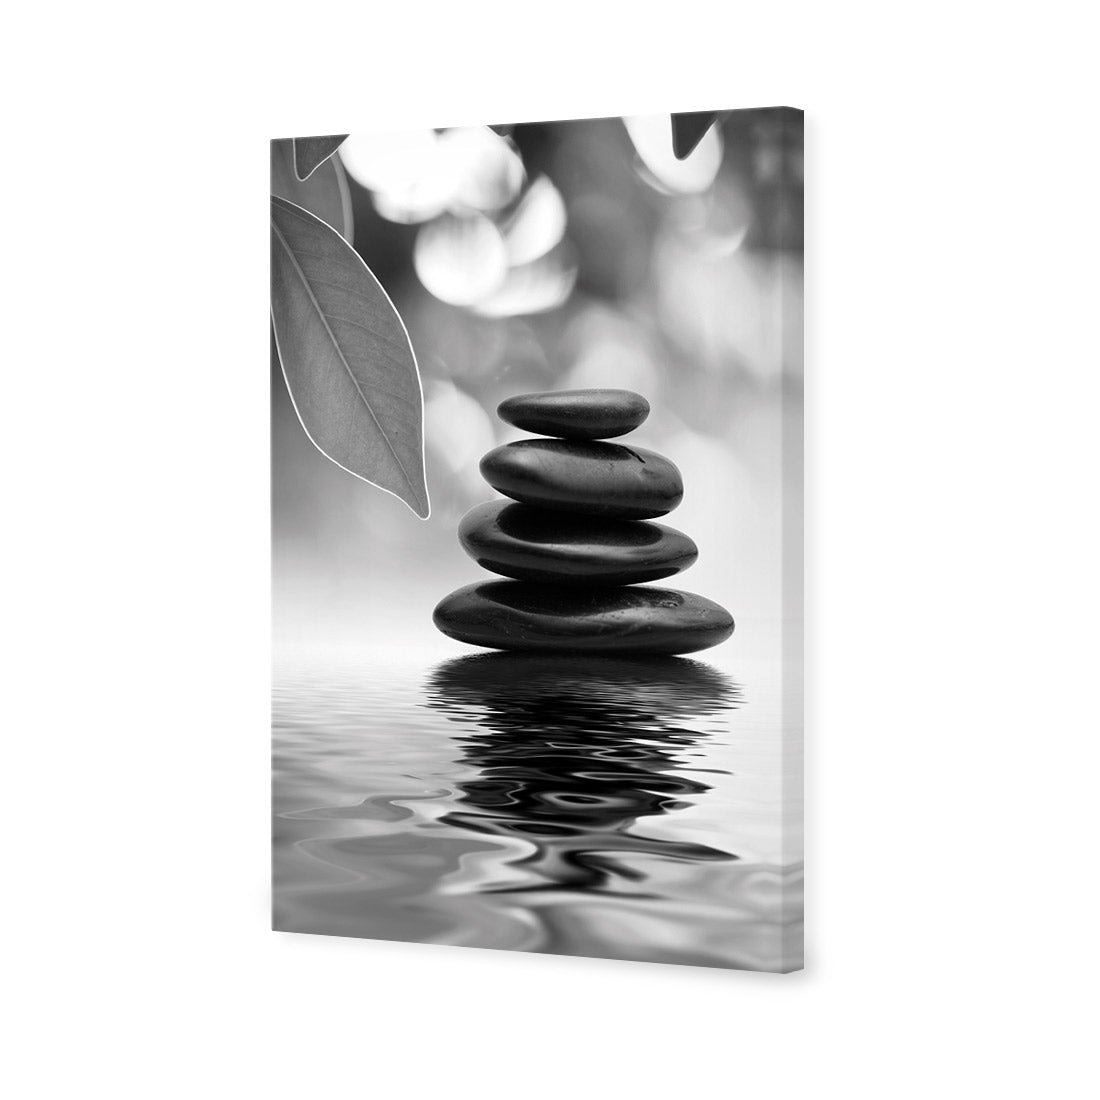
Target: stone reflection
column 573, row 751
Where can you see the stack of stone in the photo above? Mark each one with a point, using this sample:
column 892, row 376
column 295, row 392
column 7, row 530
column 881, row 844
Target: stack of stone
column 577, row 542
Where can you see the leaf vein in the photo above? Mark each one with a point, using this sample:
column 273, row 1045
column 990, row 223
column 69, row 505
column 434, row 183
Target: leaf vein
column 366, row 328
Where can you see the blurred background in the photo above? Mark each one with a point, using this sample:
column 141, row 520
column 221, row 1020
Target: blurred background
column 556, row 256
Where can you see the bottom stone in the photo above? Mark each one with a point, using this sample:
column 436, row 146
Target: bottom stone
column 523, row 615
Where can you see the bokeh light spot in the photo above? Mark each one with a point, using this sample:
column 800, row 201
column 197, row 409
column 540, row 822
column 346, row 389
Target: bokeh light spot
column 652, row 138
column 537, row 225
column 460, row 259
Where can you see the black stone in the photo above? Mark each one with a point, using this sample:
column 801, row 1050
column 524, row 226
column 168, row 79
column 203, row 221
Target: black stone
column 532, row 544
column 576, row 414
column 600, row 479
column 527, row 616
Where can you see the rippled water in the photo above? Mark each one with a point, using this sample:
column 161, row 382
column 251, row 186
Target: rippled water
column 621, row 808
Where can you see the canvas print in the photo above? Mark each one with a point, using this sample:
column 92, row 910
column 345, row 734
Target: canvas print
column 537, row 537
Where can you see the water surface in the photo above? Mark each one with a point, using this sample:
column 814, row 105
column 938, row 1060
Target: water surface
column 593, row 806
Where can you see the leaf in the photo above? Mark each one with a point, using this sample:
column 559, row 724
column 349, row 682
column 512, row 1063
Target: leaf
column 346, row 356
column 688, row 130
column 309, row 152
column 324, row 194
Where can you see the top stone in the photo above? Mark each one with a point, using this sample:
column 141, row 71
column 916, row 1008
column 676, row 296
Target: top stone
column 576, row 414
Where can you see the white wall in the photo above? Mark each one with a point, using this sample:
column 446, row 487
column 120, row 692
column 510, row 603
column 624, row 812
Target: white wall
column 951, row 371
